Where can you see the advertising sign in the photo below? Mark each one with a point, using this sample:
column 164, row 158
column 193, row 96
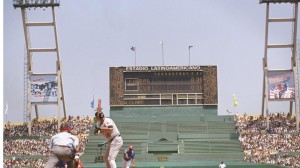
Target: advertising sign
column 43, row 88
column 281, row 85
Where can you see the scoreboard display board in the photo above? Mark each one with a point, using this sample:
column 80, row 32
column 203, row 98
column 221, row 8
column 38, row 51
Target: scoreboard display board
column 163, row 85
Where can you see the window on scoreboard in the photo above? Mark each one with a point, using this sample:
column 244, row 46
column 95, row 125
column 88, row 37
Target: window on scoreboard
column 131, row 84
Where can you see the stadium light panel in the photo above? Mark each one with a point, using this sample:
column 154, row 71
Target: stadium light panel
column 35, row 3
column 279, row 1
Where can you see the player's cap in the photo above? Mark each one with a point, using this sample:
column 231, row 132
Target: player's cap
column 130, row 147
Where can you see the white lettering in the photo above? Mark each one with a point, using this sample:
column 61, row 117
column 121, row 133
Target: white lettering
column 163, row 68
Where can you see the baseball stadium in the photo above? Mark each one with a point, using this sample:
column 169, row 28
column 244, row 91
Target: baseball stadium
column 167, row 114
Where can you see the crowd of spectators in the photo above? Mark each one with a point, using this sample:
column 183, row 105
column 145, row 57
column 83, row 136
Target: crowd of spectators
column 279, row 144
column 25, row 163
column 38, row 142
column 26, row 147
column 278, row 123
column 48, row 127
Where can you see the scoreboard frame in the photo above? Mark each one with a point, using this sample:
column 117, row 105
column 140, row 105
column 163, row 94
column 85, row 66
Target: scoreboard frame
column 163, row 85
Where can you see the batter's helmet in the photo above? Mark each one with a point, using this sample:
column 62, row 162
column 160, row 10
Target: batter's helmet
column 99, row 115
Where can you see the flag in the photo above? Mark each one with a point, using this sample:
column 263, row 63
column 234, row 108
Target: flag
column 6, row 108
column 92, row 103
column 235, row 103
column 132, row 48
column 190, row 47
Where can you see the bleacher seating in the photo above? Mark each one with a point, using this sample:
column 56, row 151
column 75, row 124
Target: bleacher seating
column 198, row 138
column 189, row 135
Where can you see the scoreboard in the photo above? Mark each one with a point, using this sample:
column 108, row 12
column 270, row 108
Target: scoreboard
column 163, row 85
column 163, row 82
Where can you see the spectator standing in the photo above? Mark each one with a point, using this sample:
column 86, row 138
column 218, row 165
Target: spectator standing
column 109, row 130
column 129, row 157
column 63, row 147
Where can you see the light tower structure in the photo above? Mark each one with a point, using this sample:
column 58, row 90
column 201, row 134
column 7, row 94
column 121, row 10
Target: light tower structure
column 41, row 88
column 283, row 84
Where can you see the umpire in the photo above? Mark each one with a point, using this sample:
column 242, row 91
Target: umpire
column 63, row 147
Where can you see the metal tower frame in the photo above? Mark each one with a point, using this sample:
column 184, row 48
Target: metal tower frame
column 24, row 5
column 294, row 64
column 26, row 80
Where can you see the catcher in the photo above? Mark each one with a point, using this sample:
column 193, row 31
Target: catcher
column 129, row 157
column 77, row 162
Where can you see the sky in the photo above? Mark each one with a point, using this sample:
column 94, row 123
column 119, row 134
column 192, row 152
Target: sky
column 96, row 34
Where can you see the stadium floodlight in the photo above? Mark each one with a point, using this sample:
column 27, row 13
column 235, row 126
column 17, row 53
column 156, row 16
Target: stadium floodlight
column 279, row 1
column 35, row 3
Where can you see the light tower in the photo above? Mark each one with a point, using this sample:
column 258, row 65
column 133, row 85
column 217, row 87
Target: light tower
column 283, row 84
column 41, row 88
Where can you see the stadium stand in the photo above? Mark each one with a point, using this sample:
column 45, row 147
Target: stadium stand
column 202, row 142
column 173, row 137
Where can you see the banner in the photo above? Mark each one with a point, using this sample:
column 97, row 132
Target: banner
column 43, row 88
column 281, row 85
column 235, row 103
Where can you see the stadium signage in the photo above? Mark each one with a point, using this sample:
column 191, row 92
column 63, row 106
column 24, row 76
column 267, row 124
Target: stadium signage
column 162, row 68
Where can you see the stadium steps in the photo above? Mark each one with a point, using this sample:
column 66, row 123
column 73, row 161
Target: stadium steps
column 165, row 137
column 190, row 164
column 203, row 140
column 212, row 146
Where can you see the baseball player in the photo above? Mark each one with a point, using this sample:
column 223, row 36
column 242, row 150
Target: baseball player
column 77, row 162
column 222, row 165
column 109, row 130
column 63, row 147
column 129, row 157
